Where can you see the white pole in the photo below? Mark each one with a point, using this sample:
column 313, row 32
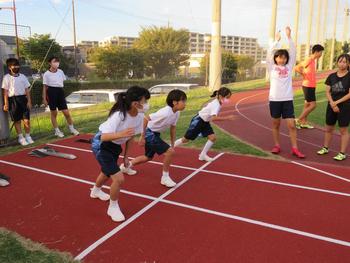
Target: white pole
column 318, row 26
column 308, row 41
column 334, row 36
column 346, row 24
column 296, row 23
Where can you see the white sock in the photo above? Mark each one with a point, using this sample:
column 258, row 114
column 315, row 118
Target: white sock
column 57, row 129
column 113, row 203
column 207, row 147
column 165, row 174
column 71, row 127
column 178, row 142
column 96, row 189
column 20, row 136
column 27, row 134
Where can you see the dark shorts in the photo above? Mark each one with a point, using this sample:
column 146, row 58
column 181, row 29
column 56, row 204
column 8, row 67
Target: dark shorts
column 154, row 144
column 197, row 126
column 343, row 117
column 309, row 94
column 107, row 154
column 18, row 108
column 56, row 99
column 282, row 108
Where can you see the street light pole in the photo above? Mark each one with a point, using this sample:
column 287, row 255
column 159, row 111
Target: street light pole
column 215, row 53
column 75, row 44
column 334, row 36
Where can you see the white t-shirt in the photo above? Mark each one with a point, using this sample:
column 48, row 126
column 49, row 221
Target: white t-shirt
column 16, row 86
column 115, row 123
column 281, row 76
column 163, row 119
column 212, row 109
column 54, row 79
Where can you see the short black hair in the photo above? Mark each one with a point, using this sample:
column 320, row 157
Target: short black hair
column 12, row 62
column 317, row 48
column 175, row 95
column 53, row 58
column 281, row 53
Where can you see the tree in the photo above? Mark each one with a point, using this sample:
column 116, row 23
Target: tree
column 115, row 62
column 337, row 51
column 244, row 63
column 346, row 48
column 165, row 49
column 35, row 48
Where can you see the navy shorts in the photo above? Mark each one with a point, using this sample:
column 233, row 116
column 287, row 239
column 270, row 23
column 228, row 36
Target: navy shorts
column 154, row 144
column 18, row 108
column 107, row 154
column 343, row 117
column 309, row 94
column 197, row 126
column 56, row 99
column 282, row 108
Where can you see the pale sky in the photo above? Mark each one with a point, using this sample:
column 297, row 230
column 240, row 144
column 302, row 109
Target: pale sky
column 97, row 19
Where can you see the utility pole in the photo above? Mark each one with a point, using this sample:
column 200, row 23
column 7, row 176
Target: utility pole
column 215, row 53
column 334, row 36
column 75, row 44
column 308, row 41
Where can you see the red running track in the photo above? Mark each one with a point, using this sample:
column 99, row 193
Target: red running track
column 230, row 211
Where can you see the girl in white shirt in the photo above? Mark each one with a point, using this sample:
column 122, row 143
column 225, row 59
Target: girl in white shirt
column 200, row 124
column 124, row 121
column 280, row 65
column 155, row 124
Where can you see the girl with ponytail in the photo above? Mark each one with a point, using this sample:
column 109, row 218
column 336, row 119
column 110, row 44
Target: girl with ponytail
column 200, row 124
column 125, row 120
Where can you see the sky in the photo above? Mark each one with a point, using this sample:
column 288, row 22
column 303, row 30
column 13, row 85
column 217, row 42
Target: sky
column 97, row 19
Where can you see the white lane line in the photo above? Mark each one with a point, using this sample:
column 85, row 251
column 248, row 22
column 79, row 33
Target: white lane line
column 253, row 178
column 89, row 249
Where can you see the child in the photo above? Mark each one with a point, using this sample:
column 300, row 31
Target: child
column 338, row 109
column 200, row 124
column 156, row 123
column 17, row 100
column 308, row 70
column 53, row 95
column 124, row 121
column 280, row 65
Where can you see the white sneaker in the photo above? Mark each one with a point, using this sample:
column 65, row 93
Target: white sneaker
column 115, row 213
column 128, row 170
column 29, row 139
column 73, row 131
column 205, row 158
column 59, row 134
column 99, row 194
column 4, row 182
column 167, row 181
column 22, row 141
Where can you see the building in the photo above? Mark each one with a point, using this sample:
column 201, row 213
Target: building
column 125, row 42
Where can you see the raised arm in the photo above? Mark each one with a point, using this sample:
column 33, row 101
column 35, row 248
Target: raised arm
column 273, row 45
column 292, row 49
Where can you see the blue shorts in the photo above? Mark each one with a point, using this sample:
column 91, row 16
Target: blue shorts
column 107, row 154
column 198, row 126
column 282, row 108
column 154, row 144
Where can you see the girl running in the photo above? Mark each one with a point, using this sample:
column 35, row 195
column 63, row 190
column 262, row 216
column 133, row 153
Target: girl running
column 200, row 124
column 280, row 66
column 338, row 108
column 124, row 121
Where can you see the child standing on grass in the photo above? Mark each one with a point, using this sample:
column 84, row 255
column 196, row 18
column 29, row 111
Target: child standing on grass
column 280, row 66
column 200, row 124
column 17, row 100
column 124, row 121
column 307, row 69
column 338, row 108
column 155, row 124
column 53, row 95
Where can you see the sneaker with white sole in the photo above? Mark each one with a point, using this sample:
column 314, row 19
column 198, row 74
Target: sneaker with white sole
column 22, row 141
column 29, row 139
column 99, row 194
column 59, row 134
column 4, row 182
column 73, row 131
column 167, row 181
column 115, row 213
column 128, row 170
column 205, row 158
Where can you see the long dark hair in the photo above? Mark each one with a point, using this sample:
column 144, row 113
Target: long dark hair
column 124, row 100
column 224, row 92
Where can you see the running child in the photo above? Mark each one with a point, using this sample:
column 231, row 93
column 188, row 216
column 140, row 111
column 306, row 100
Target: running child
column 154, row 125
column 338, row 108
column 125, row 120
column 17, row 100
column 53, row 95
column 307, row 69
column 200, row 124
column 280, row 66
